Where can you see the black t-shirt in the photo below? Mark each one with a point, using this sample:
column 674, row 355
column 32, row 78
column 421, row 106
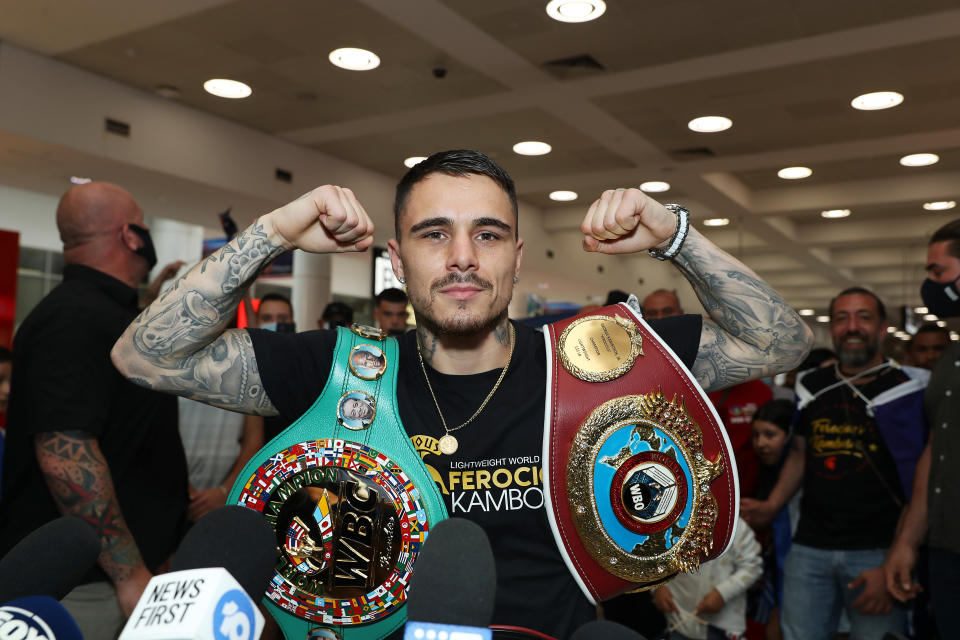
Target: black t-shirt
column 494, row 477
column 849, row 477
column 64, row 381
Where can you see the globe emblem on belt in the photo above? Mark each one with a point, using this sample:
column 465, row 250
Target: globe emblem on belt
column 648, row 492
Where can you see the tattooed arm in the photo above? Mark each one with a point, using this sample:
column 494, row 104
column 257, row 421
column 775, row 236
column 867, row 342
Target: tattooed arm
column 81, row 485
column 752, row 331
column 180, row 343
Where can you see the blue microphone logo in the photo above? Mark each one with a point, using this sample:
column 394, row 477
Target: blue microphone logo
column 233, row 617
column 16, row 622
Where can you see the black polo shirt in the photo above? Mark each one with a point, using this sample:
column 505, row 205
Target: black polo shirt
column 64, row 381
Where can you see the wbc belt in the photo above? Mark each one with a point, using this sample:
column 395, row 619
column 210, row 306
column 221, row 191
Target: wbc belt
column 640, row 477
column 349, row 499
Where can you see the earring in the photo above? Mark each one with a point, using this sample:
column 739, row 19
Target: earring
column 402, row 280
column 516, row 279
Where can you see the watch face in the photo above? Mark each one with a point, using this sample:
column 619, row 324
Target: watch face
column 348, row 525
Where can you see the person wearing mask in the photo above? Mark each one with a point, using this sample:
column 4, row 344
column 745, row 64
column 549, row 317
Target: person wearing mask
column 82, row 440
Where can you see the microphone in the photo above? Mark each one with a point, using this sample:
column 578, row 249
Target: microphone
column 50, row 561
column 605, row 630
column 37, row 618
column 453, row 583
column 220, row 571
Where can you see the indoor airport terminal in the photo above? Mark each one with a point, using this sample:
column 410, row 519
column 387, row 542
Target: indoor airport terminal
column 479, row 320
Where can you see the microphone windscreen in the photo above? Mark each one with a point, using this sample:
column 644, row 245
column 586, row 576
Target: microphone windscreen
column 605, row 630
column 50, row 561
column 37, row 617
column 235, row 538
column 454, row 578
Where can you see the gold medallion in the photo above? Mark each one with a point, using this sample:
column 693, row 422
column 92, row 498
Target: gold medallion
column 448, row 445
column 366, row 331
column 367, row 362
column 599, row 348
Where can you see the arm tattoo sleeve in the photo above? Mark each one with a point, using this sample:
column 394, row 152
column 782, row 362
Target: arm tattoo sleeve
column 180, row 343
column 79, row 480
column 752, row 331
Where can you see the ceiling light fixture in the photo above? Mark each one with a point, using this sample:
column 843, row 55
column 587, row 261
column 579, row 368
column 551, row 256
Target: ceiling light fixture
column 823, row 318
column 941, row 323
column 919, row 159
column 226, row 88
column 921, row 310
column 532, row 148
column 354, row 59
column 806, row 312
column 929, row 317
column 954, row 336
column 655, row 186
column 716, row 222
column 835, row 213
column 710, row 124
column 413, row 161
column 563, row 196
column 877, row 100
column 795, row 173
column 576, row 10
column 79, row 180
column 940, row 205
column 891, row 329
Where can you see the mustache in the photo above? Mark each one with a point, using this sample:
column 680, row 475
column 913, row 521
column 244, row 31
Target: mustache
column 460, row 278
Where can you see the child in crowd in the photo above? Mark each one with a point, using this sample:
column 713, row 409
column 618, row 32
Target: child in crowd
column 712, row 602
column 772, row 432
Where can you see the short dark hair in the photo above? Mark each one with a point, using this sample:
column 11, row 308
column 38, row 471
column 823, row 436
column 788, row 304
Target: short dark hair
column 337, row 308
column 931, row 327
column 950, row 233
column 390, row 294
column 277, row 297
column 5, row 355
column 778, row 412
column 456, row 162
column 881, row 310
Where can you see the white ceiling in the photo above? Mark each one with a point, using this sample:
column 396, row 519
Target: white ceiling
column 784, row 72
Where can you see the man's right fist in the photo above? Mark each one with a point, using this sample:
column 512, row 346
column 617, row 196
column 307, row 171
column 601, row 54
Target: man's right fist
column 328, row 219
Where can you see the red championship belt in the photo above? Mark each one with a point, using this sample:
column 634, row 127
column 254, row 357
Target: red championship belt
column 640, row 477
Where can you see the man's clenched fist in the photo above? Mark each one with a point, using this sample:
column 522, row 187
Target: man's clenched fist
column 328, row 219
column 626, row 221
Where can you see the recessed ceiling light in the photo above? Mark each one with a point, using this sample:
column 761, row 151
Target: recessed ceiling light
column 716, row 222
column 806, row 312
column 941, row 205
column 563, row 196
column 921, row 310
column 225, row 88
column 655, row 186
column 354, row 59
column 919, row 159
column 710, row 124
column 877, row 100
column 532, row 148
column 835, row 213
column 954, row 336
column 929, row 317
column 79, row 180
column 576, row 10
column 823, row 318
column 795, row 173
column 891, row 329
column 413, row 161
column 941, row 323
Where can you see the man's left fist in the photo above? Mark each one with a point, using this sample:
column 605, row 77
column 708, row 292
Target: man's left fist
column 626, row 221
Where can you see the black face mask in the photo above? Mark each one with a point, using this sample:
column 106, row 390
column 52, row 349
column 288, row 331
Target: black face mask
column 147, row 251
column 942, row 300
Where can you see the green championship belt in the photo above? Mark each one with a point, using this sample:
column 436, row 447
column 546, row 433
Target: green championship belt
column 349, row 498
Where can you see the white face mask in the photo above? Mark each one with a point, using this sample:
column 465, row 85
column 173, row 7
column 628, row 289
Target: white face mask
column 270, row 326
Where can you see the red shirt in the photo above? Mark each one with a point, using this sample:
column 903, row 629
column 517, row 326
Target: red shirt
column 736, row 407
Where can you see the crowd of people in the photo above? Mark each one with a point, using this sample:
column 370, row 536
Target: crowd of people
column 845, row 474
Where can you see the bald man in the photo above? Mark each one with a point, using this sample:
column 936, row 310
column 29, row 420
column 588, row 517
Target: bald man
column 81, row 439
column 661, row 304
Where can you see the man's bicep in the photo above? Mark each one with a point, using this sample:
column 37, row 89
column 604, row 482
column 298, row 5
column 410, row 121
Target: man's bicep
column 225, row 374
column 724, row 360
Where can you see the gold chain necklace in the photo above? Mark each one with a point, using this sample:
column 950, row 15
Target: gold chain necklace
column 448, row 443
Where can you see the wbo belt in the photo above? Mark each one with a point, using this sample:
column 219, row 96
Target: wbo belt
column 640, row 476
column 349, row 499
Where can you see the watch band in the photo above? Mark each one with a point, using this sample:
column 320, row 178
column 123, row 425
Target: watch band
column 676, row 242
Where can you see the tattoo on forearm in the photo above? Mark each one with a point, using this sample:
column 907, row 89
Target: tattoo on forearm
column 80, row 483
column 756, row 331
column 181, row 337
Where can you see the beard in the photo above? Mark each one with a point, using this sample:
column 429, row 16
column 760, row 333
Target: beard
column 462, row 323
column 852, row 358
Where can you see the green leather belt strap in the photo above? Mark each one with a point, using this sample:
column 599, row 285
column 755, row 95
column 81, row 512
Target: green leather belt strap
column 349, row 497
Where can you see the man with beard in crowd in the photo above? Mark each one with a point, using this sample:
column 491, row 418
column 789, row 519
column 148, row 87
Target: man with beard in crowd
column 860, row 431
